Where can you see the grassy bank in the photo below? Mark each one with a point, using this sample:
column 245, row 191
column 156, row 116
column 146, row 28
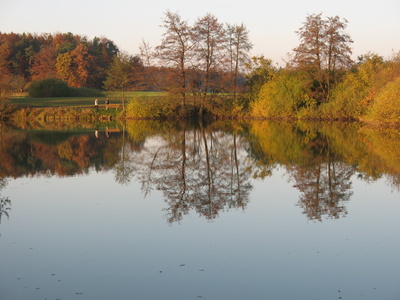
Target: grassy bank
column 115, row 98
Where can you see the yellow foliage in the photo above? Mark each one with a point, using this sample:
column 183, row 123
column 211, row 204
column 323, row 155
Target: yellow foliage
column 386, row 105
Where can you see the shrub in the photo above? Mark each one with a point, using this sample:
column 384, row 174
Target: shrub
column 283, row 96
column 151, row 107
column 53, row 87
column 50, row 87
column 386, row 105
column 347, row 99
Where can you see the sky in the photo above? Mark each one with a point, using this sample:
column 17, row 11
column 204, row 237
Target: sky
column 374, row 26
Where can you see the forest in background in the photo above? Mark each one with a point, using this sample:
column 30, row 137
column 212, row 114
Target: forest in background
column 207, row 67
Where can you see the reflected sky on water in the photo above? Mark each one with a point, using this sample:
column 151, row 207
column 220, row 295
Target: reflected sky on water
column 90, row 236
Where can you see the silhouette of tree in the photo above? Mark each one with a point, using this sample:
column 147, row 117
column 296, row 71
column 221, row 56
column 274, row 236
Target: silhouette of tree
column 209, row 40
column 176, row 51
column 239, row 46
column 324, row 49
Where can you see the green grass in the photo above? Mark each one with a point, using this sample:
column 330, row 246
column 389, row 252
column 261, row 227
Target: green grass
column 62, row 101
column 135, row 94
column 115, row 97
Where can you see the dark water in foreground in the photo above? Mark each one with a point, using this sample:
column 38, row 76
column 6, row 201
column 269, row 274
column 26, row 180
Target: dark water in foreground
column 170, row 211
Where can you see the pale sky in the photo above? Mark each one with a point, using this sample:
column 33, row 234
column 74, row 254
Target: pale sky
column 374, row 26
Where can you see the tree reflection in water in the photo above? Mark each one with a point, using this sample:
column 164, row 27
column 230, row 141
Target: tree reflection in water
column 324, row 189
column 5, row 202
column 195, row 169
column 210, row 169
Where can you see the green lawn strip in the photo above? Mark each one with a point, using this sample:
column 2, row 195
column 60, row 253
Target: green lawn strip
column 64, row 101
column 135, row 94
column 115, row 98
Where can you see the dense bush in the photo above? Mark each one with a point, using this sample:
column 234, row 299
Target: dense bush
column 151, row 107
column 386, row 105
column 346, row 101
column 53, row 87
column 284, row 96
column 369, row 91
column 50, row 87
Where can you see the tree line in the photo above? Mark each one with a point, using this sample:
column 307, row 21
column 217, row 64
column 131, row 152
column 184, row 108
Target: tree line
column 321, row 81
column 198, row 63
column 188, row 58
column 72, row 58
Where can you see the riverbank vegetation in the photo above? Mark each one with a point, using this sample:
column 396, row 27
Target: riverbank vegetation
column 199, row 70
column 315, row 153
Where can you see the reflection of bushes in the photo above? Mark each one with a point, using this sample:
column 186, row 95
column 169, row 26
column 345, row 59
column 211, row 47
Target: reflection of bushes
column 383, row 151
column 57, row 154
column 68, row 167
column 6, row 108
column 280, row 141
column 51, row 137
column 373, row 152
column 140, row 130
column 58, row 117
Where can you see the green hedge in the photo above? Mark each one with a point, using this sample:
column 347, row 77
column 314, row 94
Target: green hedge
column 53, row 87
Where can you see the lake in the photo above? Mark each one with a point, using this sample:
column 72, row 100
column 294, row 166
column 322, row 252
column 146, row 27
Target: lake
column 231, row 210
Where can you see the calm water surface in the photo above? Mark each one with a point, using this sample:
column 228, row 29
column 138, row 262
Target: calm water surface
column 171, row 211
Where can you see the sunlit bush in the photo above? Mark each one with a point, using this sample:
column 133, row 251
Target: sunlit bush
column 284, row 96
column 346, row 101
column 386, row 105
column 151, row 107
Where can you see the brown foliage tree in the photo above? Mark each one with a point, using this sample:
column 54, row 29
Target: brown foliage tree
column 6, row 76
column 73, row 66
column 176, row 50
column 324, row 49
column 44, row 63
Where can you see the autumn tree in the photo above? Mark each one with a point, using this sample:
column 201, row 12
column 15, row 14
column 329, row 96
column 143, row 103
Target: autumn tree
column 338, row 50
column 239, row 46
column 65, row 42
column 324, row 49
column 151, row 78
column 23, row 53
column 176, row 51
column 73, row 66
column 122, row 73
column 5, row 72
column 259, row 71
column 103, row 51
column 44, row 63
column 209, row 39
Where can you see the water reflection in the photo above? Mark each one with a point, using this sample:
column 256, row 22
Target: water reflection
column 324, row 189
column 199, row 169
column 209, row 169
column 5, row 202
